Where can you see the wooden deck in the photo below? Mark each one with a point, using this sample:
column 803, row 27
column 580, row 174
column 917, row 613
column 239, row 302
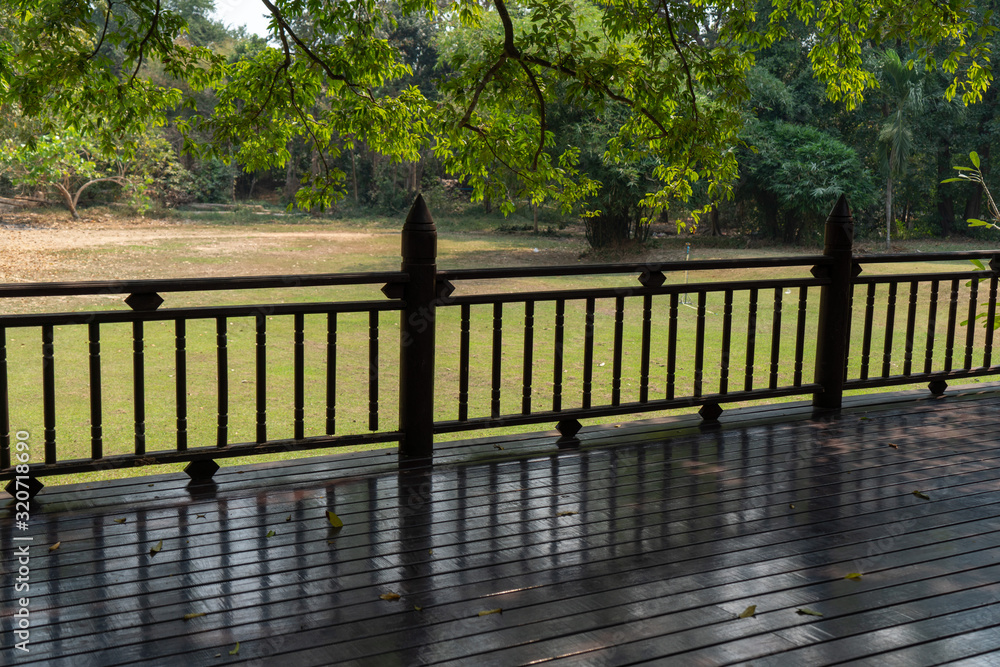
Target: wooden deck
column 646, row 544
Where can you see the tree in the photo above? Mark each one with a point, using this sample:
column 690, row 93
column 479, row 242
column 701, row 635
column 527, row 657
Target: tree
column 63, row 162
column 904, row 101
column 794, row 172
column 679, row 68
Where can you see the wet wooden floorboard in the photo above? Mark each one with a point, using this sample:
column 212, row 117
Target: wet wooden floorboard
column 646, row 544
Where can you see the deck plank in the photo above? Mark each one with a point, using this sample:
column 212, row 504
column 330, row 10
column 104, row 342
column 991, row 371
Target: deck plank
column 645, row 543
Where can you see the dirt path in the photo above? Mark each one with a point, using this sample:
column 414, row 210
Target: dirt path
column 36, row 247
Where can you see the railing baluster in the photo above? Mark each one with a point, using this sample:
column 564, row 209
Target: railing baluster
column 529, row 353
column 497, row 369
column 331, row 373
column 588, row 352
column 672, row 346
column 931, row 324
column 800, row 335
column 299, row 376
column 727, row 341
column 49, row 393
column 775, row 338
column 699, row 345
column 911, row 323
column 952, row 317
column 222, row 365
column 557, row 361
column 866, row 343
column 751, row 341
column 647, row 328
column 970, row 329
column 850, row 324
column 991, row 313
column 616, row 370
column 180, row 361
column 4, row 403
column 96, row 429
column 139, row 385
column 261, row 359
column 373, row 370
column 890, row 321
column 463, row 366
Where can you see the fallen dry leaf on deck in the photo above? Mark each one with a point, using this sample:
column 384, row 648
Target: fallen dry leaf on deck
column 894, row 446
column 334, row 519
column 389, row 596
column 856, row 576
column 418, row 608
column 922, row 496
column 487, row 612
column 497, row 447
column 55, row 546
column 807, row 612
column 288, row 518
column 565, row 513
column 236, row 650
column 188, row 617
column 199, row 516
column 155, row 550
column 270, row 533
column 122, row 520
column 749, row 612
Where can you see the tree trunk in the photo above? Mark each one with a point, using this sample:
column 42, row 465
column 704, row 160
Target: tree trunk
column 714, row 228
column 974, row 204
column 945, row 203
column 354, row 177
column 291, row 179
column 534, row 209
column 888, row 211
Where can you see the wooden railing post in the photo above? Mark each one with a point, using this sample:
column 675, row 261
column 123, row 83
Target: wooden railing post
column 416, row 351
column 834, row 308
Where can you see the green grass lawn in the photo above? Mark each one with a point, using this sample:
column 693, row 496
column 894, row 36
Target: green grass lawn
column 226, row 248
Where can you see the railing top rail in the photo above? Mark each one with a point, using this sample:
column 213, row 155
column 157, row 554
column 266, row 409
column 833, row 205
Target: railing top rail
column 11, row 290
column 598, row 269
column 926, row 256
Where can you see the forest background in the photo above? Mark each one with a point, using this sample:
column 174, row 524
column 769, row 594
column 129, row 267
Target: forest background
column 796, row 150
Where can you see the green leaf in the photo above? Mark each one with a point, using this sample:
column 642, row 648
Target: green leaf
column 749, row 612
column 854, row 576
column 487, row 612
column 974, row 157
column 334, row 519
column 270, row 533
column 807, row 612
column 122, row 520
column 922, row 496
column 978, row 264
column 974, row 222
column 155, row 550
column 188, row 617
column 235, row 650
column 390, row 596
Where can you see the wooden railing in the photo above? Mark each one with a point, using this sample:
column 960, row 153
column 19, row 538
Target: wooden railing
column 557, row 354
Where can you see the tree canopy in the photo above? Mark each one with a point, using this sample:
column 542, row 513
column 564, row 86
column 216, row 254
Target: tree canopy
column 671, row 75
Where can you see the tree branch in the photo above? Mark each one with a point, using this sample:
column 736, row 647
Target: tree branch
column 479, row 90
column 104, row 32
column 508, row 29
column 684, row 63
column 142, row 44
column 283, row 25
column 541, row 112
